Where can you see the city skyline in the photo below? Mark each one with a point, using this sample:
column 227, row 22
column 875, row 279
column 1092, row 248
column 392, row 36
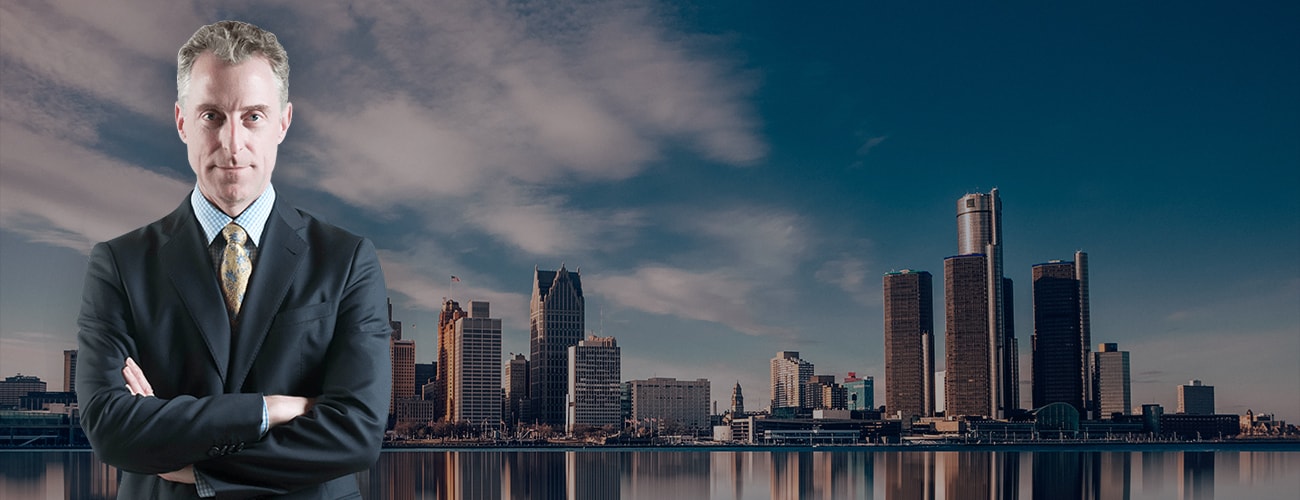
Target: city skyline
column 731, row 177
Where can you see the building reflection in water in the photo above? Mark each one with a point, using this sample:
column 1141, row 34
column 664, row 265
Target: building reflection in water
column 678, row 474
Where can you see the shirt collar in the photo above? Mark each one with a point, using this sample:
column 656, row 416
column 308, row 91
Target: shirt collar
column 253, row 220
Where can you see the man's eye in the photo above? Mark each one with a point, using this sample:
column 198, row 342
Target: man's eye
column 208, row 116
column 254, row 118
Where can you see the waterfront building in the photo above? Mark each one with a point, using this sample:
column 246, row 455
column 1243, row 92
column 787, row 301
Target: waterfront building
column 1196, row 399
column 556, row 323
column 1060, row 362
column 860, row 392
column 12, row 389
column 737, row 402
column 475, row 359
column 425, row 373
column 593, row 388
column 70, row 370
column 670, row 401
column 979, row 304
column 968, row 384
column 403, row 357
column 451, row 313
column 1110, row 381
column 789, row 377
column 814, row 392
column 516, row 390
column 909, row 343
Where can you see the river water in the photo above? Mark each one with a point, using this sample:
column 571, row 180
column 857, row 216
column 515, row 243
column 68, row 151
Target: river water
column 775, row 473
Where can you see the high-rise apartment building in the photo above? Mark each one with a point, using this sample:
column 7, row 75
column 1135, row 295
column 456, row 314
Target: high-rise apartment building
column 1061, row 356
column 446, row 378
column 789, row 377
column 475, row 386
column 70, row 370
column 516, row 390
column 909, row 343
column 1111, row 393
column 1196, row 399
column 670, row 401
column 556, row 322
column 979, row 304
column 595, row 368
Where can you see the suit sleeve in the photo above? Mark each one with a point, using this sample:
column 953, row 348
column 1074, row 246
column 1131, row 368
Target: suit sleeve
column 142, row 434
column 343, row 431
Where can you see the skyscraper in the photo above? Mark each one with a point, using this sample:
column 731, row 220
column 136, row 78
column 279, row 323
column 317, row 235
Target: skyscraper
column 968, row 384
column 1196, row 399
column 402, row 354
column 790, row 375
column 1111, row 391
column 909, row 344
column 442, row 394
column 70, row 370
column 1061, row 359
column 556, row 322
column 595, row 369
column 476, row 359
column 979, row 244
column 516, row 390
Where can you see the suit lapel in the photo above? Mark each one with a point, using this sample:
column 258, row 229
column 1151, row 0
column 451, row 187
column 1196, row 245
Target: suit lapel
column 185, row 259
column 278, row 261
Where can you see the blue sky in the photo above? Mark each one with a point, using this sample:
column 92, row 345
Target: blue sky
column 732, row 179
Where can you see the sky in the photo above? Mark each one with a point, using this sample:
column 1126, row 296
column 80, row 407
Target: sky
column 731, row 179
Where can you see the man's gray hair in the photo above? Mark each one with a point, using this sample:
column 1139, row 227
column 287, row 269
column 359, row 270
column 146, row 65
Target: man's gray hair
column 233, row 42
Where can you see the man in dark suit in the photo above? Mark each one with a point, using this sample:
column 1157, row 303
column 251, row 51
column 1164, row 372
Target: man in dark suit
column 238, row 346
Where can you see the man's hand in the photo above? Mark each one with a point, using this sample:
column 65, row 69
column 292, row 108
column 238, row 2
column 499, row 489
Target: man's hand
column 185, row 475
column 282, row 409
column 136, row 383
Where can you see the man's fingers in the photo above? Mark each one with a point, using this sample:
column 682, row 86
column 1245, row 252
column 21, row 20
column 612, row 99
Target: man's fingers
column 136, row 383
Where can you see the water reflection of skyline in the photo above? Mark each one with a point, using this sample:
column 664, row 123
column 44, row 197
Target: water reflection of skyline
column 776, row 474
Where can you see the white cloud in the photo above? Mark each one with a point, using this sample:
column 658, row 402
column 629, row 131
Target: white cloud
column 63, row 194
column 705, row 296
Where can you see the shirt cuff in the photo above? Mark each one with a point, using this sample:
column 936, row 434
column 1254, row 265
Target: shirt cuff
column 266, row 420
column 201, row 484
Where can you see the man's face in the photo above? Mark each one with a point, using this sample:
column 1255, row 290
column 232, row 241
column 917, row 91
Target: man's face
column 232, row 125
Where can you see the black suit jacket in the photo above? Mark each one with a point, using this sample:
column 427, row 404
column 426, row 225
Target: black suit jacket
column 313, row 323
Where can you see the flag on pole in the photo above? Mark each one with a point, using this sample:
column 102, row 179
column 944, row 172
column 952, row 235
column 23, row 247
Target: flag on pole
column 454, row 279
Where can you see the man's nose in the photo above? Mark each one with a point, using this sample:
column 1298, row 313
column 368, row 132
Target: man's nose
column 233, row 136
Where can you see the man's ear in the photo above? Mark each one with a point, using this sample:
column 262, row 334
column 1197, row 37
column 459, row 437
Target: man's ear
column 286, row 117
column 180, row 122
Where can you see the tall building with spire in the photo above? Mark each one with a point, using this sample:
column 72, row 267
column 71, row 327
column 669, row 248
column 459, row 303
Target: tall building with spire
column 446, row 379
column 980, row 342
column 737, row 402
column 909, row 344
column 556, row 322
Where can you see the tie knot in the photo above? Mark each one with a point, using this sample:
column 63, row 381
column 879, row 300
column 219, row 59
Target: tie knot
column 233, row 233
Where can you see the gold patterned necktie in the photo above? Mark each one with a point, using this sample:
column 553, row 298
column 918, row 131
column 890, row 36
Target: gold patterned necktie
column 235, row 267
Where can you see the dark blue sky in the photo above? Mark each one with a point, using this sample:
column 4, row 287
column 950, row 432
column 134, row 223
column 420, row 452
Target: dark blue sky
column 732, row 178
